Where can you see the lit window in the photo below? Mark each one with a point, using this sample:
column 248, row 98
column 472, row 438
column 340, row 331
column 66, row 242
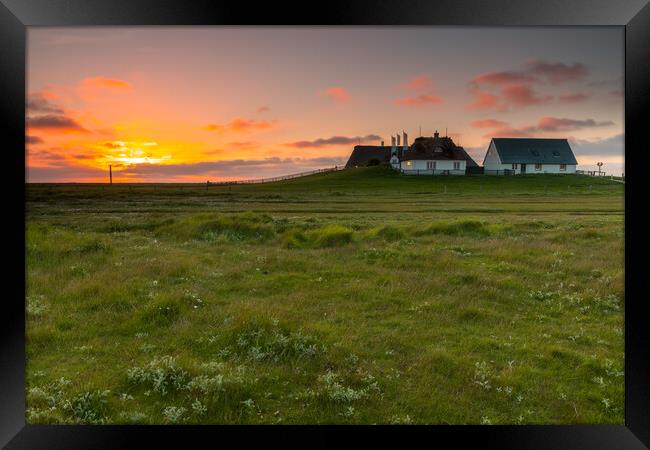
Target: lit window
column 409, row 163
column 562, row 166
column 456, row 165
column 514, row 166
column 538, row 167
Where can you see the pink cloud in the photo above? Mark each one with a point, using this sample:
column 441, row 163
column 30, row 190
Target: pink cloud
column 562, row 124
column 338, row 94
column 557, row 72
column 488, row 123
column 522, row 95
column 483, row 100
column 503, row 78
column 419, row 83
column 515, row 87
column 544, row 125
column 573, row 98
column 420, row 100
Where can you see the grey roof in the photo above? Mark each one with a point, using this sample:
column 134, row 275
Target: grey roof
column 534, row 151
column 470, row 162
column 362, row 154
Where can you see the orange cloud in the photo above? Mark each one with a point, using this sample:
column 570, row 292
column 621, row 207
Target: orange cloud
column 338, row 94
column 241, row 125
column 105, row 83
column 419, row 83
column 420, row 100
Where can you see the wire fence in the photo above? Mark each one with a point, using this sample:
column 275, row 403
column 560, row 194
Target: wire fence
column 272, row 179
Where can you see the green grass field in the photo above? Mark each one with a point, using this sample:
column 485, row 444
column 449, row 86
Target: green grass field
column 360, row 296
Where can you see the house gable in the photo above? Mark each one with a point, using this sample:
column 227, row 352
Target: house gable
column 491, row 156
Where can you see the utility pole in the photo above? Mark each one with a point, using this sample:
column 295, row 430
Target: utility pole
column 599, row 164
column 110, row 174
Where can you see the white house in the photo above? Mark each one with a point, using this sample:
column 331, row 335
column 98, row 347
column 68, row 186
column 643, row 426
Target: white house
column 432, row 156
column 529, row 156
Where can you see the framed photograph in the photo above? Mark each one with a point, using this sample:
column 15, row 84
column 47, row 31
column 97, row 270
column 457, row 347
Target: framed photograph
column 415, row 216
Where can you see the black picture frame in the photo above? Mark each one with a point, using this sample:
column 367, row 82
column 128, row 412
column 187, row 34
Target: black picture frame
column 16, row 15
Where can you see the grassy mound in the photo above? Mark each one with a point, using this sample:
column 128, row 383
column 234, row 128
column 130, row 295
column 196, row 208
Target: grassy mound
column 333, row 235
column 228, row 227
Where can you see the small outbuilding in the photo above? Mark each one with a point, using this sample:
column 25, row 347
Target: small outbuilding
column 529, row 156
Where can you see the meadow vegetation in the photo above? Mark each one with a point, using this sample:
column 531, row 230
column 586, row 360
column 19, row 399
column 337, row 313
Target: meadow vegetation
column 361, row 296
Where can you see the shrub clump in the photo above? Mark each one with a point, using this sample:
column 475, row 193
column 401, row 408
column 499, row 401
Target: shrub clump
column 275, row 345
column 88, row 407
column 161, row 375
column 332, row 389
column 327, row 236
column 331, row 236
column 462, row 227
column 294, row 238
column 240, row 227
column 388, row 233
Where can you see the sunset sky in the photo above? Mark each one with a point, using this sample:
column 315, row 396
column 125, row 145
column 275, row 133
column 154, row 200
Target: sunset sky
column 221, row 103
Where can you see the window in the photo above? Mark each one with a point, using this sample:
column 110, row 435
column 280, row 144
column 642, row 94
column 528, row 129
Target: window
column 562, row 166
column 456, row 165
column 514, row 166
column 409, row 163
column 431, row 164
column 538, row 167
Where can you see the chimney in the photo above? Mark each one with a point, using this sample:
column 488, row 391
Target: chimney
column 398, row 136
column 406, row 140
column 393, row 148
column 436, row 134
column 382, row 143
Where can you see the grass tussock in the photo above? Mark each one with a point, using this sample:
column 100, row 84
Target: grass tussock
column 467, row 227
column 244, row 227
column 389, row 233
column 332, row 235
column 270, row 343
